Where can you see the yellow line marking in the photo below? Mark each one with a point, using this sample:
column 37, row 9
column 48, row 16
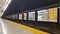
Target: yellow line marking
column 35, row 31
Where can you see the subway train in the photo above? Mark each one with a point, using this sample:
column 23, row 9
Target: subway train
column 44, row 17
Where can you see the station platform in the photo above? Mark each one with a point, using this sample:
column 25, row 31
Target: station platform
column 9, row 27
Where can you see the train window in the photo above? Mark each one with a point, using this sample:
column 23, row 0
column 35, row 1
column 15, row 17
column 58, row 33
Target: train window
column 20, row 16
column 7, row 17
column 53, row 14
column 16, row 16
column 42, row 15
column 25, row 16
column 31, row 16
column 13, row 16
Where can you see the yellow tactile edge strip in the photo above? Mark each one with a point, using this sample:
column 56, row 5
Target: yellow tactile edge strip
column 35, row 31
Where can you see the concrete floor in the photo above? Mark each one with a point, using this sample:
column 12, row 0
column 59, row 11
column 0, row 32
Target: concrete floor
column 8, row 28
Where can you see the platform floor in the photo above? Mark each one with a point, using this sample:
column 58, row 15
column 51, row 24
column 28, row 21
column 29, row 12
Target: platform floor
column 9, row 28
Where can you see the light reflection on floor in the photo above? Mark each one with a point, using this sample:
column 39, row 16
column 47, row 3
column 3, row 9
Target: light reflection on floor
column 1, row 31
column 8, row 28
column 3, row 27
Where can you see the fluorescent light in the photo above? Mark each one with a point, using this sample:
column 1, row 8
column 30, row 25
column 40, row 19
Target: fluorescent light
column 4, row 29
column 7, row 3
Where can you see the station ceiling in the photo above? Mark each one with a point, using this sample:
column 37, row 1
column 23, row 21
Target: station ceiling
column 2, row 3
column 17, row 6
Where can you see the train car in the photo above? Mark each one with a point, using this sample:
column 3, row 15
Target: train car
column 45, row 19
